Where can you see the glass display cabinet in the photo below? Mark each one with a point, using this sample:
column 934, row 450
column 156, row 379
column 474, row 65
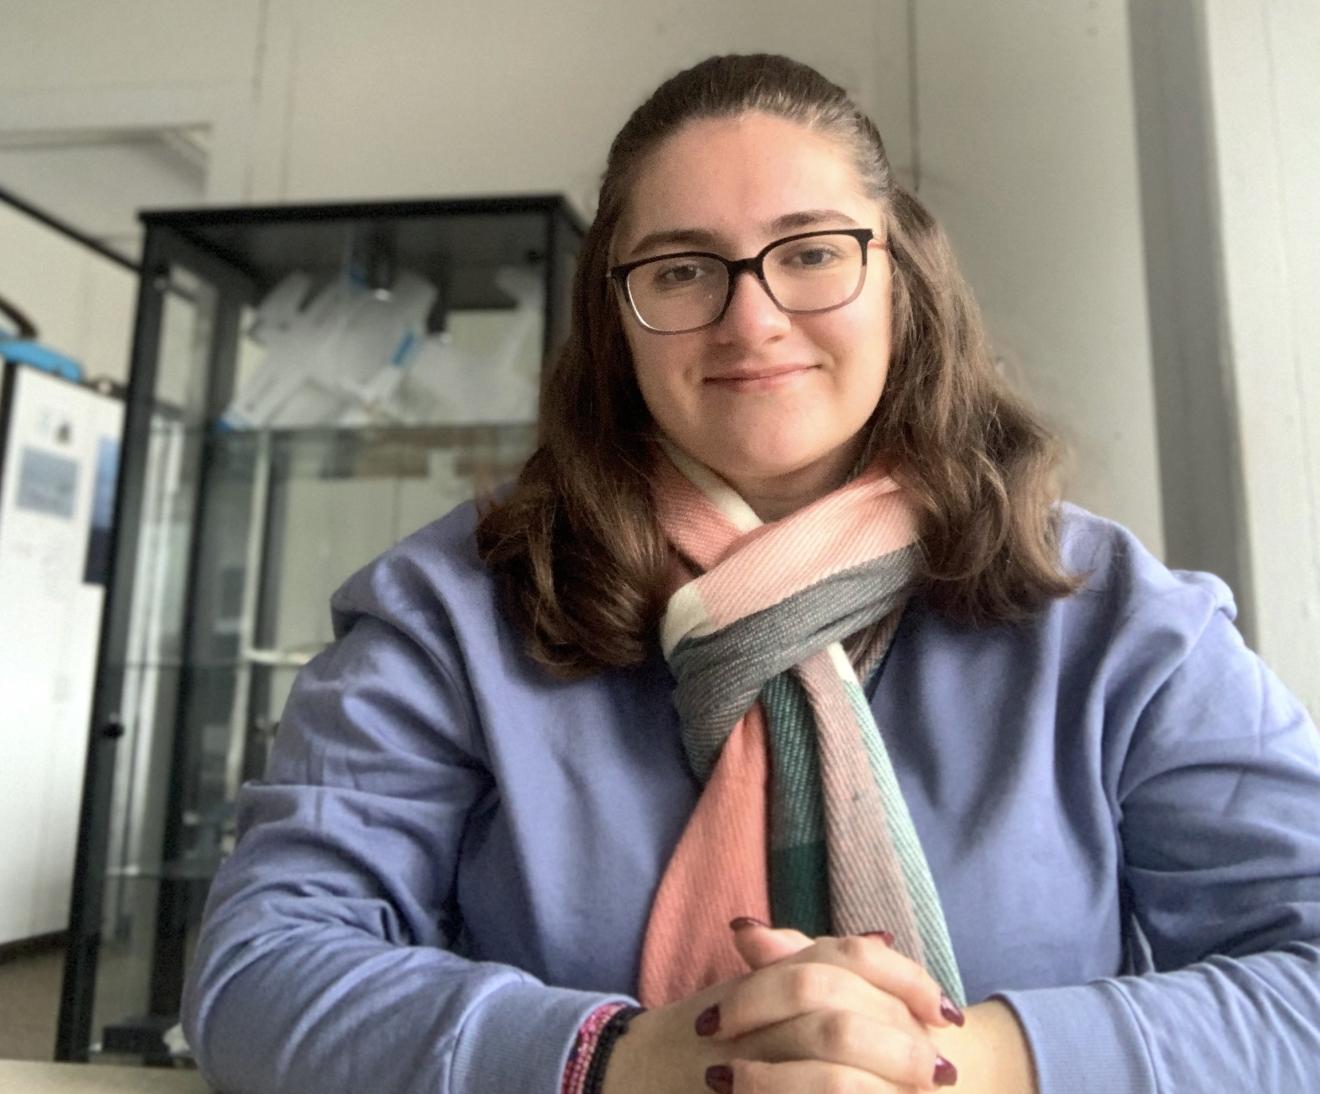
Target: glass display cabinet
column 308, row 385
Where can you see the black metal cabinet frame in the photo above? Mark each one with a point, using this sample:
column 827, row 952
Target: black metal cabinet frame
column 234, row 256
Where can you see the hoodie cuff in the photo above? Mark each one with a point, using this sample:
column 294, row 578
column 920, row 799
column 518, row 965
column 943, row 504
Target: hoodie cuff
column 522, row 1038
column 1084, row 1039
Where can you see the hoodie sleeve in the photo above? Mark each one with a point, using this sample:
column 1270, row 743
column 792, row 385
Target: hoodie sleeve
column 1216, row 794
column 327, row 960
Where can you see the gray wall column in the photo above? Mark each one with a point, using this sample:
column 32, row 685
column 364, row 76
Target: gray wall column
column 1200, row 448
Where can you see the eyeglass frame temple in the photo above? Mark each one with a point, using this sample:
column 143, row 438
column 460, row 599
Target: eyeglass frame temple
column 735, row 266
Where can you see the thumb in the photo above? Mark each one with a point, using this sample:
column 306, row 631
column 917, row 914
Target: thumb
column 759, row 945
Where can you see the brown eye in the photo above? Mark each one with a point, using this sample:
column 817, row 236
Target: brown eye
column 809, row 256
column 683, row 272
column 678, row 274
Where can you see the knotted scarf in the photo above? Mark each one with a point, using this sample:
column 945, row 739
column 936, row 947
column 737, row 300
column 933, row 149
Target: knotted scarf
column 801, row 821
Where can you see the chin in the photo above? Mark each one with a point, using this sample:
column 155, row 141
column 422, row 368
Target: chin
column 765, row 466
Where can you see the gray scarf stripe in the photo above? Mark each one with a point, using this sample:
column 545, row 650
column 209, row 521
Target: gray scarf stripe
column 730, row 667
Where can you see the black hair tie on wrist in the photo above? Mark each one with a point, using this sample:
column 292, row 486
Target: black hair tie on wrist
column 615, row 1028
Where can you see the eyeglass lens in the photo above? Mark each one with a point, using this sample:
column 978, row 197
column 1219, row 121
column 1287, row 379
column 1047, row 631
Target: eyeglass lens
column 682, row 292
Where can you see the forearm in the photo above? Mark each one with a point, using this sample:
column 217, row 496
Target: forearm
column 1250, row 1023
column 321, row 968
column 330, row 1010
column 990, row 1051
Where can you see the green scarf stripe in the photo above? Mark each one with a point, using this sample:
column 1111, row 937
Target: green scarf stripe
column 799, row 889
column 799, row 864
column 921, row 886
column 798, row 816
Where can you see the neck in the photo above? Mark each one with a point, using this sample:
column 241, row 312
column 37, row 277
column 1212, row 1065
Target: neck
column 773, row 497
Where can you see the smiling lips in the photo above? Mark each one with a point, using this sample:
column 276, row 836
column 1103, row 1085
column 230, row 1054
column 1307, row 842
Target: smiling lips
column 758, row 379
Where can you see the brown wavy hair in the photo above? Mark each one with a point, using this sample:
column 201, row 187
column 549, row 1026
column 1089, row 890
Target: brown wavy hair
column 576, row 548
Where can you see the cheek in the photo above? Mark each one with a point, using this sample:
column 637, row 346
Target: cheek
column 659, row 373
column 655, row 396
column 645, row 366
column 871, row 340
column 859, row 343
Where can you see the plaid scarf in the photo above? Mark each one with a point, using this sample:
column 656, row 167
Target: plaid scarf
column 801, row 821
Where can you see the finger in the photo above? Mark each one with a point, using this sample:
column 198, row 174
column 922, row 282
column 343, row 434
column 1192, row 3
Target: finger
column 760, row 946
column 907, row 1057
column 796, row 1077
column 789, row 990
column 887, row 969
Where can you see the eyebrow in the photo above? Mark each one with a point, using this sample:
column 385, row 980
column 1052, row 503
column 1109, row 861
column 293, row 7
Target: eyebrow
column 701, row 237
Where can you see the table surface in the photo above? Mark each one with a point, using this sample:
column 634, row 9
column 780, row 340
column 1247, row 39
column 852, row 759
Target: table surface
column 33, row 1077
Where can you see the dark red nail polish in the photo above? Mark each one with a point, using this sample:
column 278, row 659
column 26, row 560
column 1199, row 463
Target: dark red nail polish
column 945, row 1073
column 708, row 1021
column 950, row 1010
column 885, row 936
column 719, row 1078
column 745, row 921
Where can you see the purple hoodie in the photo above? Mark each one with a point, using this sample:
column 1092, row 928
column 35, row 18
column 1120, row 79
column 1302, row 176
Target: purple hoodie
column 451, row 860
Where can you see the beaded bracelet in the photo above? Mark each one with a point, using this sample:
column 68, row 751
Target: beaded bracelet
column 615, row 1028
column 584, row 1047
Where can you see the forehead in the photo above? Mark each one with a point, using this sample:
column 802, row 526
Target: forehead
column 732, row 177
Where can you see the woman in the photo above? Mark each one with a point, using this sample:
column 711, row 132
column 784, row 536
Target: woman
column 779, row 625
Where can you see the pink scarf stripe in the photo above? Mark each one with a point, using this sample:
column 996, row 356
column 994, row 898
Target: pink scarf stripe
column 858, row 533
column 718, row 871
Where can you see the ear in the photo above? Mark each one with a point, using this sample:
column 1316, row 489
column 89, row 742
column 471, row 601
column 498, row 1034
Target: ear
column 761, row 946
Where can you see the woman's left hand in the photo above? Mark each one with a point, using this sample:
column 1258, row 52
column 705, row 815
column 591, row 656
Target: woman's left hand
column 901, row 977
column 760, row 946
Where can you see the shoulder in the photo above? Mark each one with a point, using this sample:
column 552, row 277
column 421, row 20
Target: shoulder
column 1124, row 583
column 432, row 578
column 1136, row 624
column 430, row 604
column 1129, row 625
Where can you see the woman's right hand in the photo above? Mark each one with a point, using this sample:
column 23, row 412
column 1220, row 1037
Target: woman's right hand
column 838, row 1014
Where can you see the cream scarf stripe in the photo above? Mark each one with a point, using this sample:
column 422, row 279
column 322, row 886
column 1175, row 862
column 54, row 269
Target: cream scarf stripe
column 719, row 597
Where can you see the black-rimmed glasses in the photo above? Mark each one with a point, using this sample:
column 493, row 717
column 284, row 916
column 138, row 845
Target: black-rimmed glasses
column 685, row 291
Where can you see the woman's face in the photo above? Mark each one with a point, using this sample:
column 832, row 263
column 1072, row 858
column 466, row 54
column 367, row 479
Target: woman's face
column 774, row 403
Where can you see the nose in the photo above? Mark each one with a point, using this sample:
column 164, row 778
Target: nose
column 752, row 316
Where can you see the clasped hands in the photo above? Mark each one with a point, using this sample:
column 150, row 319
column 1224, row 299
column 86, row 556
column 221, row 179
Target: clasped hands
column 824, row 1015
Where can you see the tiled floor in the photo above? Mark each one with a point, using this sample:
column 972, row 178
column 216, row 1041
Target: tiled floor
column 30, row 1004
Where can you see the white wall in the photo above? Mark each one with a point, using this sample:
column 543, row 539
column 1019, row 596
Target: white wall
column 502, row 95
column 96, row 74
column 81, row 301
column 99, row 184
column 66, row 45
column 1026, row 151
column 409, row 97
